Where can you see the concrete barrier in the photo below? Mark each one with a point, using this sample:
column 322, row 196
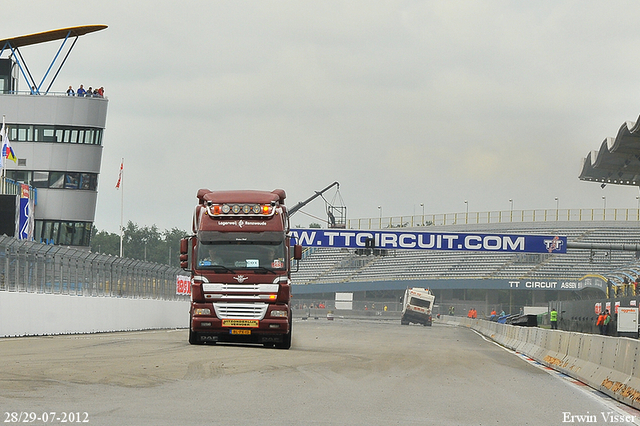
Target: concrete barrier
column 32, row 314
column 609, row 364
column 344, row 313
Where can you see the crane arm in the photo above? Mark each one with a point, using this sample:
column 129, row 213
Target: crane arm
column 301, row 204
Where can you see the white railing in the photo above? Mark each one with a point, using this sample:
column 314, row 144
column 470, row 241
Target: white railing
column 508, row 216
column 9, row 186
column 51, row 93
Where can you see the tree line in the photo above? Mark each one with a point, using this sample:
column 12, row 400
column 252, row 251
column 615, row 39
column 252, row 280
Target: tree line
column 141, row 243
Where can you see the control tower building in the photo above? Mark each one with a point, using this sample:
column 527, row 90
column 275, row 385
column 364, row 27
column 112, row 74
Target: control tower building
column 57, row 139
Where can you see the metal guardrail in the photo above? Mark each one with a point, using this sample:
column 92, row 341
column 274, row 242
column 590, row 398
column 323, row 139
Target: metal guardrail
column 51, row 93
column 27, row 266
column 9, row 186
column 508, row 216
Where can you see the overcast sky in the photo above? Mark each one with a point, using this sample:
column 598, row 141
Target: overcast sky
column 402, row 102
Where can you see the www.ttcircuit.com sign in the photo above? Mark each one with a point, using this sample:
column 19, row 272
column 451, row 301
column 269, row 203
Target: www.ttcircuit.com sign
column 356, row 239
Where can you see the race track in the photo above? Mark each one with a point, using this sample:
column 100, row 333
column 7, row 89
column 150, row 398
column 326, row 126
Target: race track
column 337, row 372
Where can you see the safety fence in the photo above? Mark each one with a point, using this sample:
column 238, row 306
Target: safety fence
column 31, row 267
column 508, row 216
column 608, row 364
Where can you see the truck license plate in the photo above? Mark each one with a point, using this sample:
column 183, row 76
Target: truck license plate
column 240, row 331
column 239, row 323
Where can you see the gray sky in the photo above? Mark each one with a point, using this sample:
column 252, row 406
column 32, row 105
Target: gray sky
column 402, row 102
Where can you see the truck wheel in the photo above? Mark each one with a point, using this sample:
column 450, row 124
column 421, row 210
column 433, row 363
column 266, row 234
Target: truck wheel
column 193, row 336
column 403, row 321
column 286, row 339
column 286, row 342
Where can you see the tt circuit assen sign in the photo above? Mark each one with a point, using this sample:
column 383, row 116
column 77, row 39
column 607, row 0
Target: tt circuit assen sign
column 356, row 239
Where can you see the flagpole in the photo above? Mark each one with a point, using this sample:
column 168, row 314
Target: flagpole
column 2, row 162
column 121, row 182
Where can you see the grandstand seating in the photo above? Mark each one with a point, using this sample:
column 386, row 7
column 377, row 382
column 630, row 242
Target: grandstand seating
column 331, row 265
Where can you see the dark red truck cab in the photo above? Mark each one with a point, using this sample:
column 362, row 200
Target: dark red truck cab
column 240, row 264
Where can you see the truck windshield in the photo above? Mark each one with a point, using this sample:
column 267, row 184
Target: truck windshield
column 420, row 302
column 232, row 255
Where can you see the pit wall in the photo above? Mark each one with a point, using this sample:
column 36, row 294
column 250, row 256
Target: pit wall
column 609, row 364
column 29, row 314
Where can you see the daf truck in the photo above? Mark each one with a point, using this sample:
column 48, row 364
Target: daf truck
column 240, row 266
column 417, row 306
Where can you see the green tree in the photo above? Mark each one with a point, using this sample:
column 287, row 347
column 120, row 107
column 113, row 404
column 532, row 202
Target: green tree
column 105, row 242
column 142, row 243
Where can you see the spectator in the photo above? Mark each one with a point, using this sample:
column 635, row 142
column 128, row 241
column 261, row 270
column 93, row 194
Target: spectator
column 70, row 91
column 90, row 92
column 607, row 319
column 100, row 92
column 81, row 92
column 600, row 322
column 553, row 319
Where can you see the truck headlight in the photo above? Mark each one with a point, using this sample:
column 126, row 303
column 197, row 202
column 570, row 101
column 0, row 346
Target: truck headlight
column 202, row 311
column 279, row 314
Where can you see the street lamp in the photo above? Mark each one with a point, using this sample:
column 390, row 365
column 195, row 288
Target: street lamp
column 604, row 201
column 557, row 207
column 380, row 208
column 466, row 216
column 422, row 205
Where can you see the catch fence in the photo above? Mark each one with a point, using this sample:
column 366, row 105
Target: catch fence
column 27, row 266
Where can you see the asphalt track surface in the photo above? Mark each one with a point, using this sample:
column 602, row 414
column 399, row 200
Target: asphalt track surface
column 341, row 372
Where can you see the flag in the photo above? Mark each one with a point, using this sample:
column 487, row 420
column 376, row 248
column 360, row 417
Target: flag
column 120, row 174
column 7, row 150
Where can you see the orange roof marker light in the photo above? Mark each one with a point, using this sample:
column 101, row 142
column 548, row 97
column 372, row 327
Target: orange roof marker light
column 13, row 44
column 252, row 210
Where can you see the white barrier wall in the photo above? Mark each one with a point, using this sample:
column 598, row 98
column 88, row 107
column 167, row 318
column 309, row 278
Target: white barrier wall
column 609, row 364
column 24, row 314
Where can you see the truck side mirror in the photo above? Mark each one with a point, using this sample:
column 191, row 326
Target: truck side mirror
column 297, row 252
column 185, row 254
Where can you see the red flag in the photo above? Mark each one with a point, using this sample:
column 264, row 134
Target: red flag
column 120, row 175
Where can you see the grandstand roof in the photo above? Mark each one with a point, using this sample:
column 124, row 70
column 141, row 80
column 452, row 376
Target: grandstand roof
column 618, row 159
column 51, row 35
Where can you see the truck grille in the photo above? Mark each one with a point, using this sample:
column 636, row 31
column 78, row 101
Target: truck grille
column 240, row 310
